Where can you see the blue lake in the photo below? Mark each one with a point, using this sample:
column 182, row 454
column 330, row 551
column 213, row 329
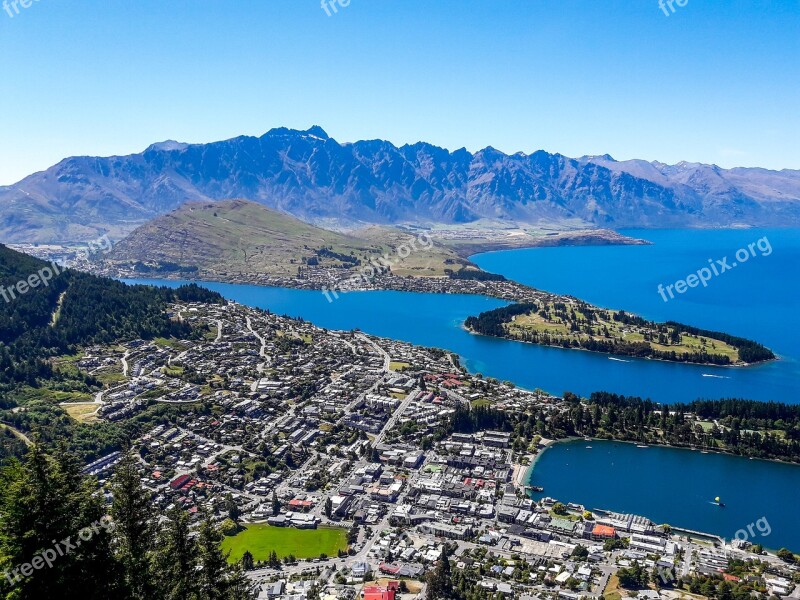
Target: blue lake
column 676, row 486
column 756, row 300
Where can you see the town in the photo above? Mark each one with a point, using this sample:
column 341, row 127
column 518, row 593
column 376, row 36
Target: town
column 331, row 461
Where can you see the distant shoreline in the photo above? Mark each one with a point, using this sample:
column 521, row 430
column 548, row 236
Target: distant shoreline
column 506, row 290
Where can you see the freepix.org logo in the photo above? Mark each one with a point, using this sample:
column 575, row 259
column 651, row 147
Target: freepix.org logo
column 668, row 6
column 12, row 7
column 47, row 557
column 715, row 268
column 331, row 7
column 46, row 274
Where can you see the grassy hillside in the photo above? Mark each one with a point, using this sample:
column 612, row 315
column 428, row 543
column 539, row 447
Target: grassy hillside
column 238, row 236
column 47, row 311
column 40, row 326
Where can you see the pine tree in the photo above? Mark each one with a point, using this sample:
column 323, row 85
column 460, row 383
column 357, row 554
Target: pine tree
column 239, row 586
column 176, row 559
column 276, row 505
column 134, row 531
column 440, row 584
column 233, row 509
column 273, row 560
column 214, row 579
column 50, row 510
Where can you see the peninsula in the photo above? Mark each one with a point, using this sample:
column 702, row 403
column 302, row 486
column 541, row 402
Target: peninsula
column 576, row 324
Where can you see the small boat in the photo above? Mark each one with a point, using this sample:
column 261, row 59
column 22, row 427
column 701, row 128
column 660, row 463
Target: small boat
column 618, row 359
column 717, row 502
column 642, row 446
column 536, row 488
column 588, row 447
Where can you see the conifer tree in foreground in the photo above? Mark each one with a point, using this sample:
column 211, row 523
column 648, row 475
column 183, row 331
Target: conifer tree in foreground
column 134, row 520
column 57, row 540
column 52, row 544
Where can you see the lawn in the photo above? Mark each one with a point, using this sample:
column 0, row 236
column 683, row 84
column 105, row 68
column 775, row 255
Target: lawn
column 172, row 371
column 170, row 343
column 83, row 413
column 560, row 330
column 612, row 591
column 110, row 378
column 260, row 540
column 43, row 393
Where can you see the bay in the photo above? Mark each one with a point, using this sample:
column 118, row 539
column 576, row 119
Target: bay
column 757, row 299
column 676, row 486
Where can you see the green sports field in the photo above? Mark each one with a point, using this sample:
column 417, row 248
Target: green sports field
column 260, row 540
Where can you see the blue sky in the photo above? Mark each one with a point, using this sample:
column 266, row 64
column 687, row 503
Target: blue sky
column 715, row 81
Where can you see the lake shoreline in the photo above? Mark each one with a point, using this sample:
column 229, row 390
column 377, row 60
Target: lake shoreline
column 586, row 467
column 739, row 365
column 522, row 293
column 434, row 319
column 551, row 443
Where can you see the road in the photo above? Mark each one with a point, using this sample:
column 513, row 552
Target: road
column 262, row 352
column 19, row 434
column 386, row 358
column 396, row 415
column 124, row 360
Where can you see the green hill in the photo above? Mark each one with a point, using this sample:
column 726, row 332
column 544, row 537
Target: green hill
column 67, row 309
column 41, row 327
column 242, row 237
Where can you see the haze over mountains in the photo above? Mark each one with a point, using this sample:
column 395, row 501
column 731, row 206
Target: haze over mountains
column 313, row 177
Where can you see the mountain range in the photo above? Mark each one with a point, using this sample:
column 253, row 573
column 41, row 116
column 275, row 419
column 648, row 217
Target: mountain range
column 313, row 177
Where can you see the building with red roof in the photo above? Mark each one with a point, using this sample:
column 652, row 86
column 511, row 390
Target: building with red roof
column 603, row 532
column 374, row 592
column 297, row 504
column 179, row 482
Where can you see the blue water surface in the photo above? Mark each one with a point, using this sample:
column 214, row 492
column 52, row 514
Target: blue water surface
column 756, row 299
column 677, row 486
